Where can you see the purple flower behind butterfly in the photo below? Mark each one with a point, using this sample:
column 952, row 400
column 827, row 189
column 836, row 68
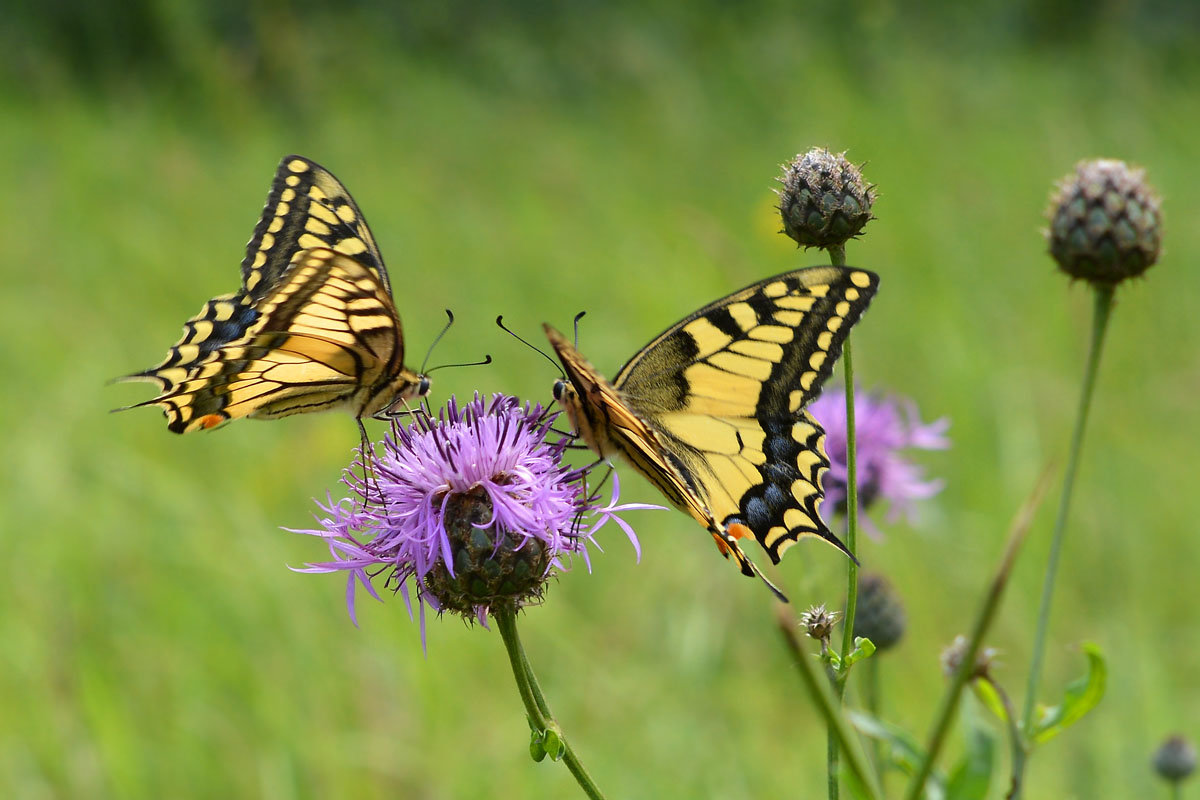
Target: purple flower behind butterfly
column 479, row 487
column 884, row 425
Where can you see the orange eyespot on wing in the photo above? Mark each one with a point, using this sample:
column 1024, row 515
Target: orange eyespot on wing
column 209, row 421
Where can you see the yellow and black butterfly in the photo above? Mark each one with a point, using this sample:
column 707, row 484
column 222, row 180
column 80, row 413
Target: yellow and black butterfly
column 712, row 410
column 313, row 326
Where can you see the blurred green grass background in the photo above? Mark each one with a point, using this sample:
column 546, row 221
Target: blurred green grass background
column 534, row 162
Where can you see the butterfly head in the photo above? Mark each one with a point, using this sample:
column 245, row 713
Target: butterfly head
column 392, row 398
column 580, row 393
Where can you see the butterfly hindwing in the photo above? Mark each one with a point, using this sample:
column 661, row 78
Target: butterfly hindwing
column 326, row 336
column 718, row 400
column 312, row 327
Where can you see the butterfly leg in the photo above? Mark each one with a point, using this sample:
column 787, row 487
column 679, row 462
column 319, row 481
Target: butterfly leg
column 366, row 450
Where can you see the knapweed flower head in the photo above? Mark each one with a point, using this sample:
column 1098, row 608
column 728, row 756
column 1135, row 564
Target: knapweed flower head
column 469, row 509
column 884, row 426
column 1105, row 222
column 824, row 200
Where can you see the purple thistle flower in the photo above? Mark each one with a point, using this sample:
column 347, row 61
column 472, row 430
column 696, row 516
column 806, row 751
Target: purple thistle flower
column 471, row 508
column 884, row 425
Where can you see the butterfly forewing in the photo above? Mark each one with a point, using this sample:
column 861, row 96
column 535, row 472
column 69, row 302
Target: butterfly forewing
column 307, row 208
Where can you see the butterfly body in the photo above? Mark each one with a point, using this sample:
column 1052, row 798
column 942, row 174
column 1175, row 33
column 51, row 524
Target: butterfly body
column 712, row 410
column 313, row 326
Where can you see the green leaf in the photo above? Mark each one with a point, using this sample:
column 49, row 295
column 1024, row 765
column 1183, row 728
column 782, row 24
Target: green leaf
column 554, row 744
column 1081, row 697
column 863, row 648
column 904, row 752
column 986, row 693
column 537, row 750
column 972, row 775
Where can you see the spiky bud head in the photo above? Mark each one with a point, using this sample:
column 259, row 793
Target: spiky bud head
column 1105, row 222
column 952, row 659
column 1175, row 759
column 879, row 615
column 492, row 565
column 824, row 200
column 818, row 622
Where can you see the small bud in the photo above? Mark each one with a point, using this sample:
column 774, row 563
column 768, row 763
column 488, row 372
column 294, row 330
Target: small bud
column 879, row 615
column 1105, row 223
column 952, row 658
column 825, row 200
column 491, row 564
column 1175, row 759
column 818, row 622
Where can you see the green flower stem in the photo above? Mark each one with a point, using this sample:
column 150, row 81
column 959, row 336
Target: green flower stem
column 1176, row 792
column 1103, row 309
column 871, row 698
column 851, row 517
column 983, row 622
column 837, row 257
column 831, row 740
column 823, row 697
column 540, row 718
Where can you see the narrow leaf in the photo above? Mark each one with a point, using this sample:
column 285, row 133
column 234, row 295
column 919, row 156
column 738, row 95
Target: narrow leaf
column 1082, row 695
column 972, row 775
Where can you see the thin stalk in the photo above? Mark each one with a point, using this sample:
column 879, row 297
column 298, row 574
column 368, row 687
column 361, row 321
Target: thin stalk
column 823, row 697
column 540, row 718
column 837, row 257
column 851, row 517
column 832, row 757
column 983, row 622
column 871, row 697
column 1103, row 309
column 1016, row 744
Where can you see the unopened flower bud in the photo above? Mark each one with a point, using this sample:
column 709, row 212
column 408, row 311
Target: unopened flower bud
column 824, row 200
column 1105, row 223
column 1175, row 759
column 879, row 615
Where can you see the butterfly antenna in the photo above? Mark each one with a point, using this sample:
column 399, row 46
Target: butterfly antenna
column 487, row 359
column 557, row 366
column 578, row 317
column 438, row 338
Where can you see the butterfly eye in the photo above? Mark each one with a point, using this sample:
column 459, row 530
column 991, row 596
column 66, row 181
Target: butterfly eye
column 560, row 389
column 423, row 386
